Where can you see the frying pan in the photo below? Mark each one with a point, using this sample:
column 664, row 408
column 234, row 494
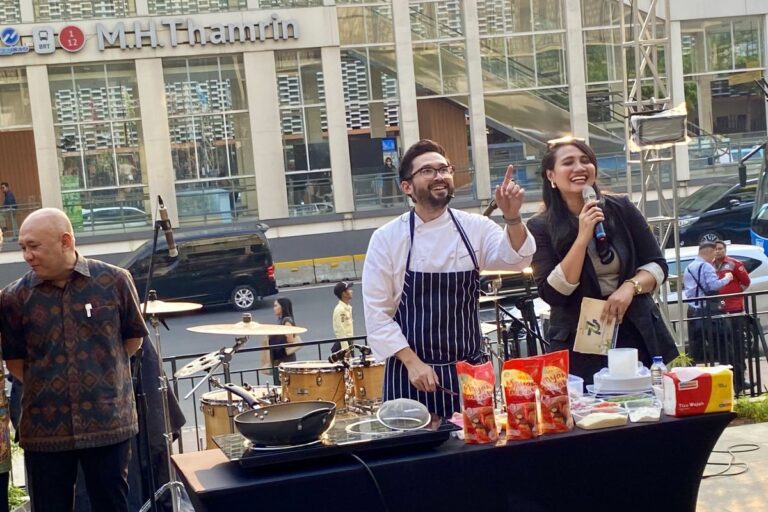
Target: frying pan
column 288, row 423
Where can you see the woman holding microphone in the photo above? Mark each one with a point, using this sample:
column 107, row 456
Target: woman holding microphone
column 599, row 247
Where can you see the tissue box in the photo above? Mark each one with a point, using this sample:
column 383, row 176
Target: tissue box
column 689, row 391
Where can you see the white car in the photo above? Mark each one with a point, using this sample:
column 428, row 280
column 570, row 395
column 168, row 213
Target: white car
column 753, row 258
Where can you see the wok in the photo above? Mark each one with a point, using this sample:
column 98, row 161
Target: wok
column 288, row 423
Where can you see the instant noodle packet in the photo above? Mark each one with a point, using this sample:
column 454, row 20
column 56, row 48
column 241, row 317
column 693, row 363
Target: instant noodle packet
column 520, row 379
column 555, row 404
column 477, row 387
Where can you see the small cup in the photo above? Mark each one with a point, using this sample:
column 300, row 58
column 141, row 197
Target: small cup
column 622, row 362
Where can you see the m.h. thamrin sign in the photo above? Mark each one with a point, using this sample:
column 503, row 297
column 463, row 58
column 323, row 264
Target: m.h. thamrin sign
column 162, row 33
column 216, row 33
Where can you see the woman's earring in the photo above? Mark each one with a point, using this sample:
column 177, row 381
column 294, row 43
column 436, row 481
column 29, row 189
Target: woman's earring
column 553, row 184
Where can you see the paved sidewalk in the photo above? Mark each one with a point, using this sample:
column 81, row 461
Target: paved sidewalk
column 747, row 492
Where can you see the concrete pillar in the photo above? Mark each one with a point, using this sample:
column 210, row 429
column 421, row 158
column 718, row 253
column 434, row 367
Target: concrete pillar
column 266, row 135
column 45, row 136
column 677, row 90
column 341, row 174
column 156, row 136
column 27, row 9
column 704, row 95
column 577, row 70
column 406, row 77
column 476, row 103
column 142, row 7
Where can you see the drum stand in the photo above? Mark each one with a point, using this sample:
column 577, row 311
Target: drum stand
column 172, row 485
column 225, row 356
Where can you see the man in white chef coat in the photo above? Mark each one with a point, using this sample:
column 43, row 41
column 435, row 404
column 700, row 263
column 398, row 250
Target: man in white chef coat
column 421, row 279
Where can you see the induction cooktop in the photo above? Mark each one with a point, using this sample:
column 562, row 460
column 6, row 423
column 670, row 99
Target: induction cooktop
column 347, row 435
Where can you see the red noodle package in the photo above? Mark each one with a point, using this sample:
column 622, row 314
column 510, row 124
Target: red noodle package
column 555, row 405
column 520, row 379
column 477, row 385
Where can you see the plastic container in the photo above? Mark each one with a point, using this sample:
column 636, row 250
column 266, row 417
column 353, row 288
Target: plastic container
column 600, row 417
column 575, row 386
column 644, row 410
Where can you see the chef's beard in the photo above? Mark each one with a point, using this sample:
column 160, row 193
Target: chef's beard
column 425, row 197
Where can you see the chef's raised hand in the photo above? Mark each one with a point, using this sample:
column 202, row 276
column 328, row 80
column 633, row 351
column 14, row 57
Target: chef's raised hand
column 509, row 195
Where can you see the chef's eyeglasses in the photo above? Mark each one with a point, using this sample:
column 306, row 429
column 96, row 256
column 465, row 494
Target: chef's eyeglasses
column 430, row 172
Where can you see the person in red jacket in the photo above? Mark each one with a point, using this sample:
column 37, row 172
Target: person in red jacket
column 733, row 305
column 740, row 282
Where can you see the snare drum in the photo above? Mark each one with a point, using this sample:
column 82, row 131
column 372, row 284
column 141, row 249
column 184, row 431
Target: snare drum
column 214, row 407
column 313, row 380
column 368, row 380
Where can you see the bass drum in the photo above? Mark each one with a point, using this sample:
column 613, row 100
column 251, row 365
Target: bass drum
column 313, row 380
column 368, row 380
column 214, row 408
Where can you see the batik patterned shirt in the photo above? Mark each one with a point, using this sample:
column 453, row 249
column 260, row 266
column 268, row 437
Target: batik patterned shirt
column 78, row 391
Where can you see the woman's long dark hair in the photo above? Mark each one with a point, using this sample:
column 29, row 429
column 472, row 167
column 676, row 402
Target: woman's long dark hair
column 563, row 226
column 286, row 307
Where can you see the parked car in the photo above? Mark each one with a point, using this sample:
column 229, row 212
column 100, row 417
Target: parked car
column 753, row 258
column 227, row 265
column 717, row 211
column 111, row 217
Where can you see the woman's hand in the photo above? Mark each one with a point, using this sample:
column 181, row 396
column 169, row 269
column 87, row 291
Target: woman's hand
column 616, row 305
column 590, row 215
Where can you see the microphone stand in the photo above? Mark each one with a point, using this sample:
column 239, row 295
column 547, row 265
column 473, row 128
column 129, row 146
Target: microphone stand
column 173, row 485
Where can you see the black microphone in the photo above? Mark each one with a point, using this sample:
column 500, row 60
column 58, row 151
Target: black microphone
column 165, row 224
column 339, row 355
column 489, row 209
column 588, row 193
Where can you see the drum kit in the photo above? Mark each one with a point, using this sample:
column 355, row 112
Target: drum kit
column 352, row 383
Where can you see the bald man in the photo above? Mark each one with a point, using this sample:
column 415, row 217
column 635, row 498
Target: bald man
column 69, row 327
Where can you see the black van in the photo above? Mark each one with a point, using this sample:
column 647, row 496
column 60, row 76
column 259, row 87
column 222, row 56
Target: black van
column 228, row 265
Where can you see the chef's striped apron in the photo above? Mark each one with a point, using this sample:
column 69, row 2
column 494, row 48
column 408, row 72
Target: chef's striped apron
column 438, row 315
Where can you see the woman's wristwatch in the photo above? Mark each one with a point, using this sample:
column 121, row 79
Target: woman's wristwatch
column 636, row 284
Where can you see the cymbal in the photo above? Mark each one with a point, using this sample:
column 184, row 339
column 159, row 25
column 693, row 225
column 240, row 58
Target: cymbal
column 248, row 329
column 489, row 298
column 488, row 327
column 500, row 272
column 200, row 364
column 158, row 307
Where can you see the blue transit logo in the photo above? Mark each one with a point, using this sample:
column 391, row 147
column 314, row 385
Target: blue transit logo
column 9, row 36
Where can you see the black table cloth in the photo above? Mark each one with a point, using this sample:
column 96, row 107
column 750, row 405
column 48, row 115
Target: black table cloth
column 646, row 466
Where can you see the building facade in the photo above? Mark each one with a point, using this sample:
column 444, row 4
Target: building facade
column 295, row 112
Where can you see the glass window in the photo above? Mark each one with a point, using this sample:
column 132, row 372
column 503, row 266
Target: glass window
column 596, row 13
column 305, row 132
column 747, row 43
column 163, row 7
column 436, row 19
column 494, row 17
column 10, row 12
column 365, row 25
column 547, row 15
column 54, row 10
column 14, row 99
column 602, row 52
column 98, row 132
column 521, row 16
column 718, row 40
column 550, row 59
column 210, row 139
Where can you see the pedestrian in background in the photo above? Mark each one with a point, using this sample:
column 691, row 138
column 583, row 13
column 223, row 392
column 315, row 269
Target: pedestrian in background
column 734, row 307
column 283, row 310
column 342, row 316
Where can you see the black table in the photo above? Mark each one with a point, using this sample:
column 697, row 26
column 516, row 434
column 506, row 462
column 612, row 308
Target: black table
column 646, row 466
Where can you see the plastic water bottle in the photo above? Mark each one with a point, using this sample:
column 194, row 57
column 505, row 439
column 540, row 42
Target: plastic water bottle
column 657, row 371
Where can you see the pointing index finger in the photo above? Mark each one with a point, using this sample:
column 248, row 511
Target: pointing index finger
column 508, row 176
